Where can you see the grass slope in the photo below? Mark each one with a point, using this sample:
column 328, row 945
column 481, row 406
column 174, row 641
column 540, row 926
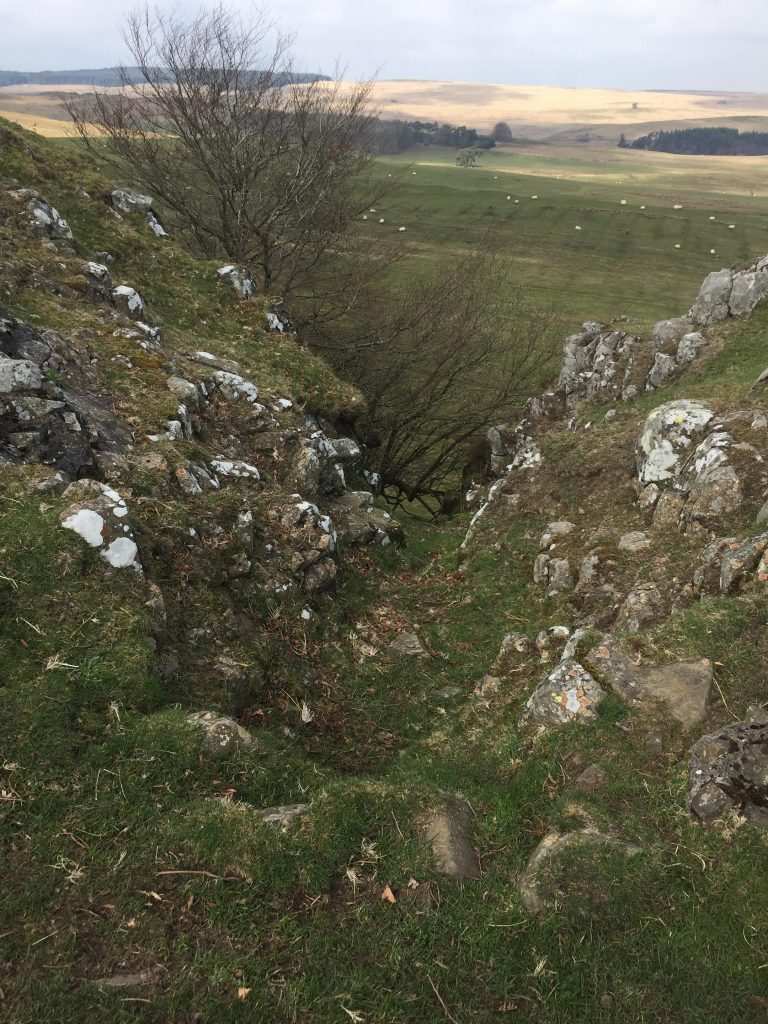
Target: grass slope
column 117, row 860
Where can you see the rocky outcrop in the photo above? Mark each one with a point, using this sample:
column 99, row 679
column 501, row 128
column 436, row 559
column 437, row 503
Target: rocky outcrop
column 61, row 424
column 685, row 449
column 730, row 293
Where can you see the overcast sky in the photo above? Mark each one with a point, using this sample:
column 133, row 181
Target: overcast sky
column 662, row 44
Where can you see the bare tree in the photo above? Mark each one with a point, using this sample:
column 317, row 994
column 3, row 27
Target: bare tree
column 256, row 165
column 449, row 357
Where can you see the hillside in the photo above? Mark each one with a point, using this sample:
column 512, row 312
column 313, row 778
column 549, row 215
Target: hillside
column 270, row 755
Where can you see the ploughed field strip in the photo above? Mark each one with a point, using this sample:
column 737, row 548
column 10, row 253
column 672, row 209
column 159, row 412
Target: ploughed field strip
column 270, row 754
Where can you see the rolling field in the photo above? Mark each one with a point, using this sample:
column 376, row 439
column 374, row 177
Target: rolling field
column 623, row 261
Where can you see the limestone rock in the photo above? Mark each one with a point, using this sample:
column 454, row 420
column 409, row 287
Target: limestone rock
column 728, row 771
column 128, row 301
column 283, row 816
column 737, row 560
column 683, row 687
column 670, row 431
column 554, row 531
column 239, row 280
column 448, row 830
column 690, row 346
column 712, row 302
column 542, row 882
column 642, row 606
column 46, row 220
column 222, row 735
column 100, row 517
column 634, row 542
column 567, row 694
column 663, row 369
column 128, row 201
column 407, row 645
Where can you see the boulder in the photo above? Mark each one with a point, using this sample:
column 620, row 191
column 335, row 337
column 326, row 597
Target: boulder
column 728, row 772
column 566, row 694
column 642, row 606
column 712, row 302
column 669, row 433
column 127, row 201
column 407, row 645
column 222, row 736
column 682, row 687
column 128, row 301
column 663, row 369
column 46, row 220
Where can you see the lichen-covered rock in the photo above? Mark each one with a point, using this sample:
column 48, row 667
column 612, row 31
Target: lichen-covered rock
column 634, row 542
column 728, row 772
column 407, row 645
column 738, row 560
column 222, row 736
column 99, row 516
column 642, row 606
column 668, row 436
column 98, row 281
column 664, row 368
column 567, row 694
column 236, row 388
column 359, row 522
column 46, row 220
column 689, row 347
column 239, row 280
column 728, row 292
column 128, row 201
column 128, row 301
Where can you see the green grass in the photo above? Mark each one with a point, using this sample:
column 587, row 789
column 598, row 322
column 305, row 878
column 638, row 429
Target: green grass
column 120, row 851
column 622, row 263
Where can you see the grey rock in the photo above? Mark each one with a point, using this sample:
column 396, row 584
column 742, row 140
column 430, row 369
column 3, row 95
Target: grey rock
column 128, row 301
column 567, row 694
column 19, row 375
column 448, row 830
column 217, row 362
column 728, row 771
column 663, row 369
column 712, row 302
column 642, row 606
column 690, row 346
column 682, row 687
column 634, row 542
column 221, row 735
column 408, row 645
column 239, row 280
column 739, row 560
column 128, row 201
column 669, row 434
column 284, row 816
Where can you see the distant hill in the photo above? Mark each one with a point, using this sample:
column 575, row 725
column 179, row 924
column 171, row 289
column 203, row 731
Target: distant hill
column 109, row 76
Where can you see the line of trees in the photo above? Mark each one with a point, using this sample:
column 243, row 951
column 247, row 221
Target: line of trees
column 702, row 142
column 391, row 137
